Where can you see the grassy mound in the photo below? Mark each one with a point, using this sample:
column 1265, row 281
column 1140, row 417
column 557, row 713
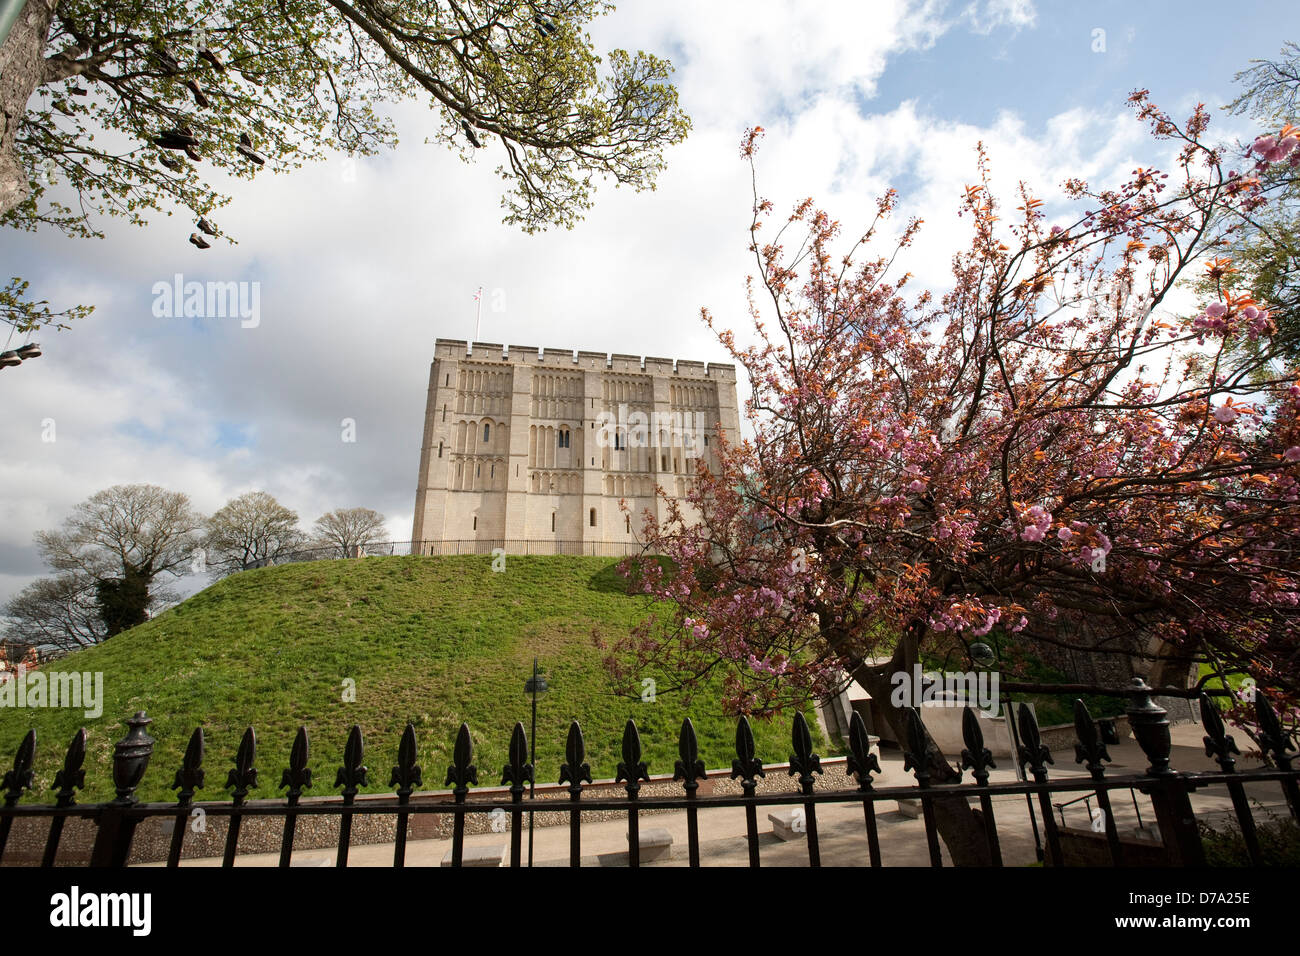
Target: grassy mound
column 430, row 640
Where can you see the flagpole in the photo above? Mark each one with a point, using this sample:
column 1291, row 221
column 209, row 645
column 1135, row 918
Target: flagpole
column 478, row 318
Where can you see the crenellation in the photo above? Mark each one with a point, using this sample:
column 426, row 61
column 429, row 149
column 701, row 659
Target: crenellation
column 721, row 372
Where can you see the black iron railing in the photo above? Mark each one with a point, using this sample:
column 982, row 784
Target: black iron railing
column 1169, row 790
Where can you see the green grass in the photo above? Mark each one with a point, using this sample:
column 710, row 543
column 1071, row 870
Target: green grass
column 1234, row 683
column 430, row 640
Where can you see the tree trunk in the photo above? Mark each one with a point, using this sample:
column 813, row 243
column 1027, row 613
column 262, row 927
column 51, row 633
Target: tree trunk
column 22, row 65
column 959, row 827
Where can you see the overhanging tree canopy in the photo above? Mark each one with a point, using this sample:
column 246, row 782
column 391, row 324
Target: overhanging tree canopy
column 134, row 102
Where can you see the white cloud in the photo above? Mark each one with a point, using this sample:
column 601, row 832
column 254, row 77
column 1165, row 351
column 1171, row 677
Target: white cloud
column 992, row 14
column 359, row 274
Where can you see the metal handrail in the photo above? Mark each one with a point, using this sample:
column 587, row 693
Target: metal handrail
column 1087, row 802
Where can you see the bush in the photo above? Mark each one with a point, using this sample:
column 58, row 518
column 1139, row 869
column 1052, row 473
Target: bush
column 1279, row 843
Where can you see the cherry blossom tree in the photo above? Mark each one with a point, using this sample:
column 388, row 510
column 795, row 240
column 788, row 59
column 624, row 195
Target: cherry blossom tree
column 1048, row 452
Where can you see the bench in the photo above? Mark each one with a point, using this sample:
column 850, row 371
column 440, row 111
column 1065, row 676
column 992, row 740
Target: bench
column 654, row 843
column 789, row 824
column 478, row 856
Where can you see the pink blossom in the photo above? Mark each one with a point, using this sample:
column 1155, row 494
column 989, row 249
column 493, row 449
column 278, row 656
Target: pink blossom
column 1250, row 312
column 1065, row 534
column 1216, row 309
column 994, row 616
column 1225, row 414
column 1292, row 453
column 1264, row 144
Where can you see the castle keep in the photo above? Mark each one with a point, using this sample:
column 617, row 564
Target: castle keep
column 532, row 451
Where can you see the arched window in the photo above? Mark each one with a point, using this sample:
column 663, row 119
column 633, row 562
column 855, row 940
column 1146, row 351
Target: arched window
column 627, row 523
column 475, row 526
column 593, row 517
column 487, row 431
column 439, row 449
column 552, row 520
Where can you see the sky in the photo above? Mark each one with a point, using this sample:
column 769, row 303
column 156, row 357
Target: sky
column 361, row 264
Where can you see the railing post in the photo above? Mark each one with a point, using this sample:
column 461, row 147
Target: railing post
column 1169, row 790
column 573, row 771
column 460, row 775
column 406, row 777
column 1220, row 746
column 862, row 763
column 979, row 760
column 633, row 770
column 805, row 763
column 1035, row 755
column 188, row 779
column 689, row 769
column 917, row 759
column 1092, row 753
column 20, row 778
column 116, row 824
column 1274, row 741
column 517, row 773
column 296, row 777
column 67, row 782
column 748, row 768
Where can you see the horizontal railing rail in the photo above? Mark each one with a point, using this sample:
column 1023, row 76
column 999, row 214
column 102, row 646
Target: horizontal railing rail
column 511, row 546
column 1168, row 789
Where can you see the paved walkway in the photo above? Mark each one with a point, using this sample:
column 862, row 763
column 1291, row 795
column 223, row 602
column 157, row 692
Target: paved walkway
column 840, row 826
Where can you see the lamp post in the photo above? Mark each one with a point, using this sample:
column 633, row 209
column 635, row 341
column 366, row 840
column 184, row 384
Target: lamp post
column 533, row 686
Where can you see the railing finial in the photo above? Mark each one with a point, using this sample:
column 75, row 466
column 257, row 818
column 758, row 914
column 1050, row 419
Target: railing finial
column 131, row 758
column 861, row 762
column 976, row 757
column 1150, row 724
column 20, row 778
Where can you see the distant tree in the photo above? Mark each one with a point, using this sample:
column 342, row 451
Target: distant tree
column 123, row 538
column 59, row 611
column 350, row 528
column 252, row 527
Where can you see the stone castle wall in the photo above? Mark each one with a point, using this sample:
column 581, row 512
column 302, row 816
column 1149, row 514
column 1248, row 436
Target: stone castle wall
column 529, row 445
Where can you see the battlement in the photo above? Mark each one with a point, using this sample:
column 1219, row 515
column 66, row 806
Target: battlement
column 491, row 352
